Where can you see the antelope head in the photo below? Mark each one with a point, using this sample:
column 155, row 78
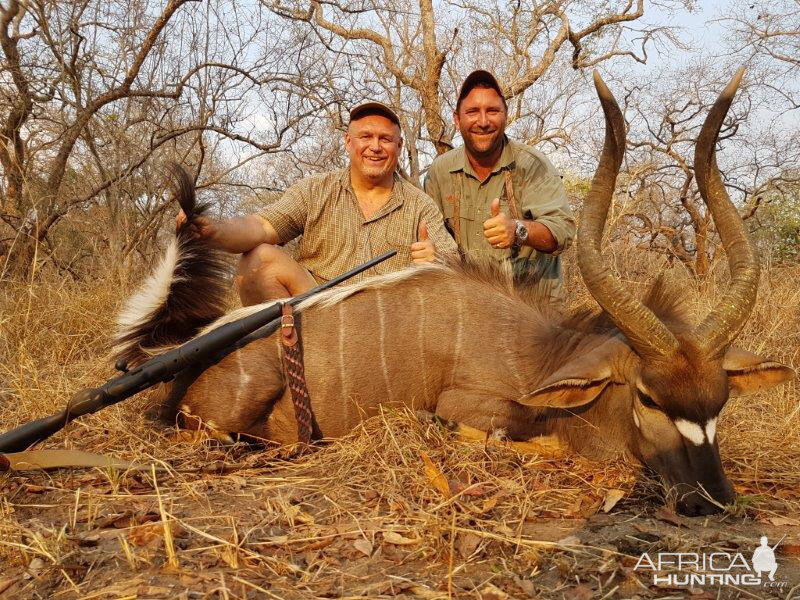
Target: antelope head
column 667, row 386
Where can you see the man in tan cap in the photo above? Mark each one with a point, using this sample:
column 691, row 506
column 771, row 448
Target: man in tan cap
column 501, row 199
column 345, row 217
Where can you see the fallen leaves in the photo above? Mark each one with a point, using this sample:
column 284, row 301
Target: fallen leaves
column 790, row 549
column 318, row 545
column 450, row 488
column 6, row 583
column 492, row 592
column 364, row 546
column 86, row 540
column 392, row 537
column 467, row 544
column 612, row 497
column 579, row 592
column 489, row 504
column 570, row 540
column 668, row 515
column 435, row 477
column 783, row 521
column 151, row 533
column 35, row 567
column 547, row 445
column 294, row 514
column 526, row 585
column 127, row 519
column 154, row 591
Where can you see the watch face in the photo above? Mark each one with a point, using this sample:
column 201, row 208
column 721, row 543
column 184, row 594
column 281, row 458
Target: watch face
column 522, row 231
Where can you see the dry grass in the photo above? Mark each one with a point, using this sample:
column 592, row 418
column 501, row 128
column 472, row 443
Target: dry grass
column 368, row 516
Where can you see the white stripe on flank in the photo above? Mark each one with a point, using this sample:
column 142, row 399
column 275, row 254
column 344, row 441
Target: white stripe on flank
column 342, row 372
column 511, row 356
column 382, row 344
column 691, row 431
column 421, row 338
column 459, row 341
column 711, row 430
column 244, row 379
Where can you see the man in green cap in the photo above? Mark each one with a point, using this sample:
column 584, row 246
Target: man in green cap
column 501, row 199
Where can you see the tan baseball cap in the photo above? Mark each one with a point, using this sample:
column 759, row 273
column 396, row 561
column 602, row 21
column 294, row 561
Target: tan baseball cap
column 473, row 79
column 373, row 108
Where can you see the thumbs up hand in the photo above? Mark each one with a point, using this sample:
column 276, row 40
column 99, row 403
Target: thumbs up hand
column 499, row 230
column 423, row 250
column 422, row 234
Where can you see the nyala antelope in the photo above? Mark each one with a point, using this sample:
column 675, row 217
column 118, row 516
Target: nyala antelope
column 637, row 378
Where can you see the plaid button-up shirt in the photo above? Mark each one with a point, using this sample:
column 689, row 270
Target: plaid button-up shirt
column 337, row 237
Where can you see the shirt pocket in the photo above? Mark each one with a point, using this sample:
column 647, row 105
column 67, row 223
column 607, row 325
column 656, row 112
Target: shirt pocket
column 467, row 217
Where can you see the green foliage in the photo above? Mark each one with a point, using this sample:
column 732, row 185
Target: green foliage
column 576, row 186
column 779, row 224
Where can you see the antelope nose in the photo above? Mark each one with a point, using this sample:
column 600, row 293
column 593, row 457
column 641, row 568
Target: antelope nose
column 696, row 504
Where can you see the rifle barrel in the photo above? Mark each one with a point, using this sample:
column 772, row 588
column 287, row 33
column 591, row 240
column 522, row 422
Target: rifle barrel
column 165, row 366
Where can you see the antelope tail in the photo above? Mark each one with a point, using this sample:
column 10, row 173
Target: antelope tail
column 186, row 292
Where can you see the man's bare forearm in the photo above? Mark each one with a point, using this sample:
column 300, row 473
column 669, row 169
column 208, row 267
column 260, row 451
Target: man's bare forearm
column 242, row 234
column 540, row 237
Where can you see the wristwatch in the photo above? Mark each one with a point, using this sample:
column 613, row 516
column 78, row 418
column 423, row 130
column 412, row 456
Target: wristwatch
column 520, row 234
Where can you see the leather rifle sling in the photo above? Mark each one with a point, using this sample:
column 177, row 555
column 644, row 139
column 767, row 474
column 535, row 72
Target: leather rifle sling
column 510, row 196
column 295, row 375
column 511, row 199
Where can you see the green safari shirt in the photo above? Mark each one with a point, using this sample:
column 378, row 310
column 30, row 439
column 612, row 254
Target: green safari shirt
column 540, row 196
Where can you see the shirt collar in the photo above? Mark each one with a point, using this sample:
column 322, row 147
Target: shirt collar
column 506, row 160
column 394, row 202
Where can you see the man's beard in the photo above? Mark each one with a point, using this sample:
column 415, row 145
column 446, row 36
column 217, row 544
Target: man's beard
column 483, row 147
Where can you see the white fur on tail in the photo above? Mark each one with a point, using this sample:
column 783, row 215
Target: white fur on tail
column 138, row 311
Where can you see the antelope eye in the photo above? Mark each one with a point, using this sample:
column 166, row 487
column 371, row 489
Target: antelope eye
column 647, row 400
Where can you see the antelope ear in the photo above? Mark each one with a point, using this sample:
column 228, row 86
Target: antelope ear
column 748, row 373
column 579, row 381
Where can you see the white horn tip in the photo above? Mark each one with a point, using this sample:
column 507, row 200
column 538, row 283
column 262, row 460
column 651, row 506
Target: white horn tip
column 733, row 85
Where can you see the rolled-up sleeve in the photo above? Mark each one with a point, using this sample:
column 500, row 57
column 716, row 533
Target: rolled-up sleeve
column 544, row 200
column 288, row 214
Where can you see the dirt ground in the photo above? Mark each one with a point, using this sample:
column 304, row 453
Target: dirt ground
column 402, row 508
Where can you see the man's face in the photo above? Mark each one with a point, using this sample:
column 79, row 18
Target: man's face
column 373, row 144
column 481, row 118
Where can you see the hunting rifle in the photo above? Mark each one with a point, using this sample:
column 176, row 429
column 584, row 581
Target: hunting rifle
column 209, row 347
